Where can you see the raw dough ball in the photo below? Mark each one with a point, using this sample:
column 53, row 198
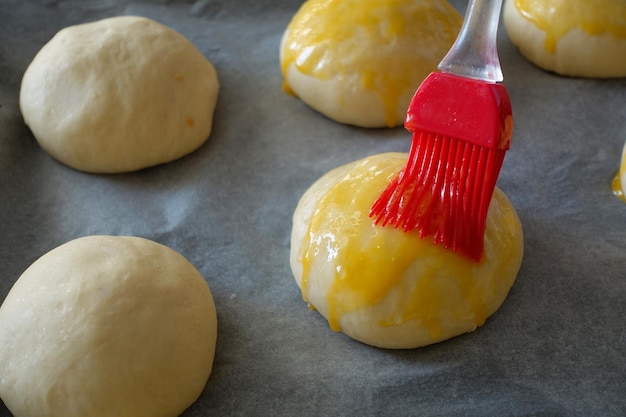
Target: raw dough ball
column 388, row 288
column 619, row 182
column 360, row 61
column 579, row 38
column 118, row 95
column 106, row 326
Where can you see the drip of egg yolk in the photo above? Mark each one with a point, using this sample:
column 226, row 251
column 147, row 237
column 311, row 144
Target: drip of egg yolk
column 383, row 41
column 369, row 261
column 558, row 17
column 617, row 184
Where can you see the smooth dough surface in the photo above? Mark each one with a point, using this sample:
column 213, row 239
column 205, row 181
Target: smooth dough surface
column 388, row 288
column 578, row 38
column 106, row 326
column 359, row 62
column 118, row 95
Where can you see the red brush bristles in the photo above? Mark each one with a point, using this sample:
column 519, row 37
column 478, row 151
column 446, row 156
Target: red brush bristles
column 446, row 187
column 437, row 193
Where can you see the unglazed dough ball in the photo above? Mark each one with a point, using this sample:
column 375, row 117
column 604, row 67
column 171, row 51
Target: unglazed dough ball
column 579, row 38
column 388, row 288
column 106, row 326
column 360, row 62
column 118, row 95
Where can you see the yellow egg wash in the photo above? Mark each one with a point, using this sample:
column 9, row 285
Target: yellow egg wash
column 341, row 38
column 369, row 261
column 618, row 187
column 557, row 17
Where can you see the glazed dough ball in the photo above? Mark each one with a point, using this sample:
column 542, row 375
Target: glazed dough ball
column 360, row 61
column 106, row 326
column 619, row 182
column 118, row 95
column 388, row 288
column 579, row 38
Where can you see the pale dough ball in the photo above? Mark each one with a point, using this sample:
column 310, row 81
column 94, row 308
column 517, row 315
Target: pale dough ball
column 579, row 38
column 360, row 62
column 106, row 326
column 388, row 288
column 118, row 95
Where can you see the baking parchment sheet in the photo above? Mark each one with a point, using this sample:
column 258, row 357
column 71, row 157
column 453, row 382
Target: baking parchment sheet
column 557, row 347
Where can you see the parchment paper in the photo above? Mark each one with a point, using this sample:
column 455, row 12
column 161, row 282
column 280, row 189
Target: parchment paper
column 555, row 348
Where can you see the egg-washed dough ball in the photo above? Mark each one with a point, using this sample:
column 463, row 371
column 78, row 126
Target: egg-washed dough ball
column 578, row 38
column 106, row 326
column 385, row 287
column 118, row 95
column 359, row 62
column 619, row 182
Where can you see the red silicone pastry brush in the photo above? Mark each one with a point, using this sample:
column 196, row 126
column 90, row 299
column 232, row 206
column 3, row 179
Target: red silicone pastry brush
column 462, row 125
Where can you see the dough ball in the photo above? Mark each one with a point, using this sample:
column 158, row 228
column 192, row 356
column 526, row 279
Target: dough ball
column 578, row 38
column 106, row 326
column 118, row 95
column 360, row 62
column 619, row 182
column 388, row 288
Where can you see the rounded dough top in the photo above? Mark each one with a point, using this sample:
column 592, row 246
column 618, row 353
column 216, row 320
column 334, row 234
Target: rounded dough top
column 582, row 38
column 106, row 326
column 360, row 61
column 388, row 288
column 119, row 94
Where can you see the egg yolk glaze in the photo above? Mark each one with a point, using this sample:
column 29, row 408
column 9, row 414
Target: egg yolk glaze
column 620, row 178
column 404, row 279
column 385, row 42
column 557, row 17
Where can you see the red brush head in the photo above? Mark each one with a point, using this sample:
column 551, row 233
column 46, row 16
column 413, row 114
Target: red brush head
column 461, row 130
column 463, row 108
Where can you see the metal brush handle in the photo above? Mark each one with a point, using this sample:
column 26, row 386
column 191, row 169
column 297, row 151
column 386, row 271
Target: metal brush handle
column 475, row 53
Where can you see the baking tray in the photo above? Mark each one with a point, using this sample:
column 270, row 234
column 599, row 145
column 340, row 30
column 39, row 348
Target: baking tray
column 557, row 347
